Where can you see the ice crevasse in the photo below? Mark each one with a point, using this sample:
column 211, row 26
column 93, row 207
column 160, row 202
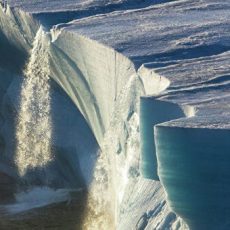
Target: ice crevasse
column 163, row 67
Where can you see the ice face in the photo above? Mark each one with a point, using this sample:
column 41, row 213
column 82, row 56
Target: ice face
column 195, row 188
column 176, row 54
column 153, row 112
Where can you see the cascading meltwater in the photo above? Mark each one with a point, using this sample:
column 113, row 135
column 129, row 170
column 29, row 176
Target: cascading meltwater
column 34, row 130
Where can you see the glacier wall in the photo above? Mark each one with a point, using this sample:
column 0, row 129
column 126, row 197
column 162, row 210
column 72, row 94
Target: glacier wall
column 18, row 27
column 153, row 112
column 18, row 30
column 100, row 74
column 194, row 169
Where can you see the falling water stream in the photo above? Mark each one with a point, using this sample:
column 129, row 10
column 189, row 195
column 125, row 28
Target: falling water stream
column 34, row 129
column 99, row 213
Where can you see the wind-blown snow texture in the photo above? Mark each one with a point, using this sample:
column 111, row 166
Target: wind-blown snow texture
column 174, row 55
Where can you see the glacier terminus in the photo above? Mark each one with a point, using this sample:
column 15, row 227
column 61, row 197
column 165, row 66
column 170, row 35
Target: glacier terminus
column 115, row 114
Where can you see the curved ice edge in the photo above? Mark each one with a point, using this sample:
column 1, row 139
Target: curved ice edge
column 38, row 197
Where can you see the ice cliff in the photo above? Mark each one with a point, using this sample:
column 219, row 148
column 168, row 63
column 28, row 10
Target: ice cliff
column 145, row 82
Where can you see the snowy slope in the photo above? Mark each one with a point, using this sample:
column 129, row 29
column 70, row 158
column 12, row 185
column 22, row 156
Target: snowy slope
column 175, row 56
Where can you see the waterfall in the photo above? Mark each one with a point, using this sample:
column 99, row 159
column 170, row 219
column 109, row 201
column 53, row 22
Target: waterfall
column 33, row 131
column 99, row 212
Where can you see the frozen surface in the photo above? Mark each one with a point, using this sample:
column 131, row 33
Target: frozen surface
column 168, row 32
column 53, row 12
column 105, row 55
column 75, row 5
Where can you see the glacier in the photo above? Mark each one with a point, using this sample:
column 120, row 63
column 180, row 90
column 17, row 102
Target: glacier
column 125, row 100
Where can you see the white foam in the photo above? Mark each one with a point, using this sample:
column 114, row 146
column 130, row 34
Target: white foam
column 37, row 197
